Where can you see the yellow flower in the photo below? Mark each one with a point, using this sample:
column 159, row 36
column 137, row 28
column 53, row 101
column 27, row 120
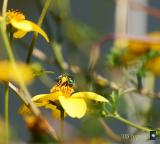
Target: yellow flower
column 17, row 20
column 131, row 49
column 134, row 46
column 153, row 65
column 140, row 46
column 61, row 95
column 137, row 46
column 155, row 43
column 9, row 72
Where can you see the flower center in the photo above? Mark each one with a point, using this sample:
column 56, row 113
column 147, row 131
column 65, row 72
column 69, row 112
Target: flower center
column 65, row 85
column 14, row 15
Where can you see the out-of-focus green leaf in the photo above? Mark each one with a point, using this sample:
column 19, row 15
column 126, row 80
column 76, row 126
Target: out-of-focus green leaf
column 38, row 70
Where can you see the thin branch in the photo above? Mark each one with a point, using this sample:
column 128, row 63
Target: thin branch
column 20, row 94
column 31, row 47
column 139, row 127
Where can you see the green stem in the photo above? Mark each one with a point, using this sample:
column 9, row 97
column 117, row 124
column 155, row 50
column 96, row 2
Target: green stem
column 139, row 83
column 6, row 102
column 44, row 11
column 31, row 47
column 144, row 129
column 149, row 82
column 6, row 95
column 41, row 18
column 62, row 126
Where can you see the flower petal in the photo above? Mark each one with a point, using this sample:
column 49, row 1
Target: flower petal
column 24, row 110
column 153, row 65
column 73, row 107
column 28, row 26
column 39, row 100
column 43, row 99
column 22, row 25
column 89, row 95
column 19, row 34
column 155, row 43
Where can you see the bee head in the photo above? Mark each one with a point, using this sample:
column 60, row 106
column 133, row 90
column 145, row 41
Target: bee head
column 65, row 80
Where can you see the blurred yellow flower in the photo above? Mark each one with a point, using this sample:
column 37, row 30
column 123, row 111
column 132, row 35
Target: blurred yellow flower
column 153, row 65
column 8, row 72
column 137, row 47
column 17, row 20
column 134, row 46
column 131, row 49
column 62, row 96
column 155, row 44
column 140, row 46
